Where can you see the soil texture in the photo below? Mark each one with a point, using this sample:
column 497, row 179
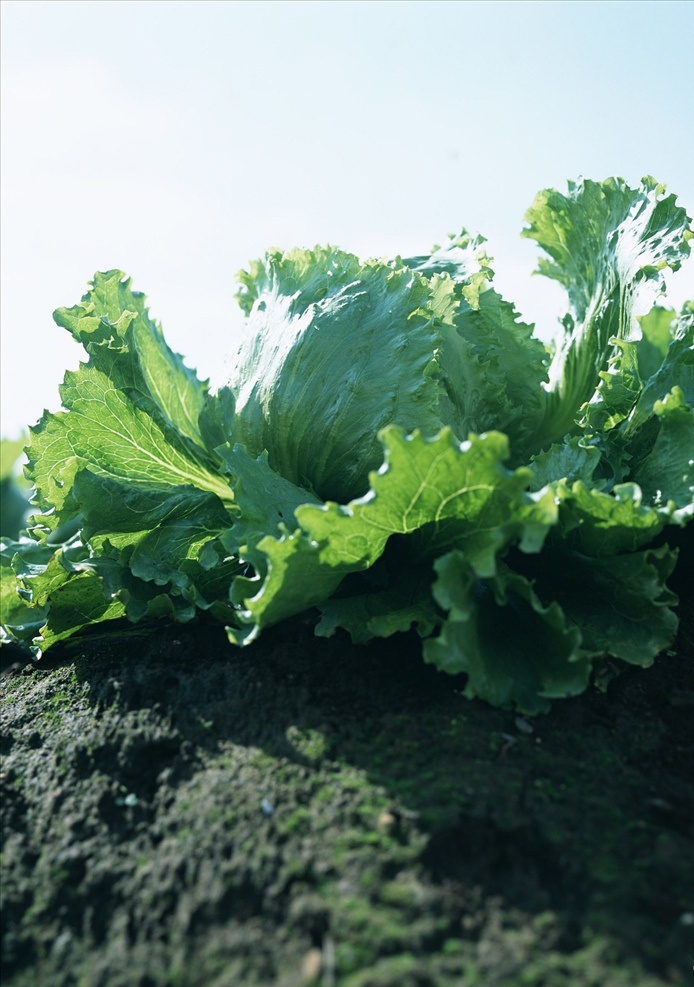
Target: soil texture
column 177, row 812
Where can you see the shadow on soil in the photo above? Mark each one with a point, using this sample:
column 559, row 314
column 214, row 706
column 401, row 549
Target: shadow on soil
column 181, row 812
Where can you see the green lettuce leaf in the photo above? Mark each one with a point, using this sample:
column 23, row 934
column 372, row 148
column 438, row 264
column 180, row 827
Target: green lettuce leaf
column 113, row 325
column 656, row 440
column 515, row 650
column 463, row 258
column 620, row 603
column 20, row 621
column 608, row 246
column 380, row 604
column 321, row 369
column 436, row 492
column 493, row 371
column 128, row 464
column 50, row 593
column 72, row 595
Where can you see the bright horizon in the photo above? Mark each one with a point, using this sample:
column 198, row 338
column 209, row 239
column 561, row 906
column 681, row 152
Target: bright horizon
column 178, row 141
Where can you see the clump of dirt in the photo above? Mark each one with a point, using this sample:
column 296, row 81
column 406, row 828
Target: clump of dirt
column 180, row 812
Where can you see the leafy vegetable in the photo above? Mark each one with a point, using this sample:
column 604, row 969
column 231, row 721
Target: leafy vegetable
column 395, row 450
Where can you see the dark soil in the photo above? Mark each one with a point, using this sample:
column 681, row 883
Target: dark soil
column 179, row 812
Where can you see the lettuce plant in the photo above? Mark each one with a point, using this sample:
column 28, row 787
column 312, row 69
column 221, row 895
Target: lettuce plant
column 395, row 451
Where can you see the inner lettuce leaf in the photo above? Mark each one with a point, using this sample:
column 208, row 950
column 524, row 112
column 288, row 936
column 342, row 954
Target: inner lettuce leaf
column 336, row 350
column 320, row 370
column 395, row 450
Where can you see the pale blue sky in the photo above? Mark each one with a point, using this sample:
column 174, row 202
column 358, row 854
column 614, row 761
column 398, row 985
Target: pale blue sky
column 178, row 140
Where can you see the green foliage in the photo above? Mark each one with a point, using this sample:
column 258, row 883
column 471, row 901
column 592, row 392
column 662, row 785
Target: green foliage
column 395, row 449
column 14, row 495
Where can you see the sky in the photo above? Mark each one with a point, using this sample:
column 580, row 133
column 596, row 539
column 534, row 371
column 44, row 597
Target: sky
column 177, row 141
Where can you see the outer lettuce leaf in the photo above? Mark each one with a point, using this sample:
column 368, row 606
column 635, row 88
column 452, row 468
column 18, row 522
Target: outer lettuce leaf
column 651, row 446
column 599, row 523
column 608, row 245
column 111, row 316
column 104, row 432
column 73, row 597
column 437, row 492
column 656, row 440
column 129, row 465
column 20, row 622
column 51, row 592
column 154, row 530
column 529, row 634
column 515, row 650
column 620, row 603
column 675, row 369
column 266, row 501
column 367, row 610
column 595, row 565
column 461, row 493
column 650, row 440
column 666, row 474
column 657, row 332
